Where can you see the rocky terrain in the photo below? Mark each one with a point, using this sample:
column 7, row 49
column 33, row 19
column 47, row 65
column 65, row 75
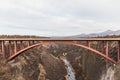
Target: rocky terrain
column 85, row 63
column 44, row 63
column 34, row 64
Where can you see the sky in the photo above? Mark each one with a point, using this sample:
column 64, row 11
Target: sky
column 58, row 17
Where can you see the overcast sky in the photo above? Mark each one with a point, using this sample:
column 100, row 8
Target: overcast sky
column 58, row 17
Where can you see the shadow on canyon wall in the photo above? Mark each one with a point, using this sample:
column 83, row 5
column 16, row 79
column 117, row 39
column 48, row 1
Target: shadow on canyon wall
column 44, row 63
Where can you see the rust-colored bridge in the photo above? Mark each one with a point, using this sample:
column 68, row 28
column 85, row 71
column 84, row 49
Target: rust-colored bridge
column 11, row 47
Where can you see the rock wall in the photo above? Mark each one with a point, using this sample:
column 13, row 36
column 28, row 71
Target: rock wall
column 34, row 64
column 117, row 71
column 87, row 67
column 5, row 71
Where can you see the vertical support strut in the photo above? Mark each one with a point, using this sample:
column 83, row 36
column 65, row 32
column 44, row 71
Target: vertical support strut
column 118, row 50
column 10, row 48
column 28, row 43
column 3, row 48
column 102, row 46
column 107, row 48
column 15, row 46
column 21, row 45
column 88, row 43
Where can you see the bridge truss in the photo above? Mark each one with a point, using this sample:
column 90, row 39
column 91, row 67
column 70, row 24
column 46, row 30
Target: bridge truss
column 12, row 47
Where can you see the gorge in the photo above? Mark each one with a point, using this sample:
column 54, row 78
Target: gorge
column 44, row 63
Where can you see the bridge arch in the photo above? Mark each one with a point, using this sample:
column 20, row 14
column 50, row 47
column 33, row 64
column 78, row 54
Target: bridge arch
column 70, row 43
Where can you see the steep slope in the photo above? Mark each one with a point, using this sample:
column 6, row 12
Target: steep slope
column 35, row 64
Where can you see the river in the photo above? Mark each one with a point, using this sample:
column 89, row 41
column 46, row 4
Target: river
column 108, row 75
column 70, row 73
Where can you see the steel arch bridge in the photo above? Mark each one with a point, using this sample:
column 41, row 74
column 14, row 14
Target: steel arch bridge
column 11, row 47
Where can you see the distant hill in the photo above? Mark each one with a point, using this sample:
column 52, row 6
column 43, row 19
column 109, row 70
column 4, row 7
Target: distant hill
column 21, row 36
column 105, row 33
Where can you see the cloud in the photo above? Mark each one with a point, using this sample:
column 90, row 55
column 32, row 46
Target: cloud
column 58, row 17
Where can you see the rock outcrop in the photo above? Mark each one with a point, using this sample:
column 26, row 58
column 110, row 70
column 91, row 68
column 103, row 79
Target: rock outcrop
column 34, row 64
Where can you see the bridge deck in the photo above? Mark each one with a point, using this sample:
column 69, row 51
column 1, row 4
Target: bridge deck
column 61, row 39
